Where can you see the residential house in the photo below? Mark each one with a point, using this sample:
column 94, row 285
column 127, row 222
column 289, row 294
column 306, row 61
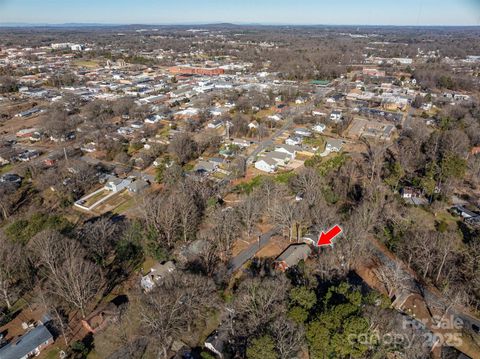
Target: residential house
column 125, row 131
column 156, row 274
column 288, row 149
column 11, row 178
column 319, row 127
column 464, row 212
column 217, row 161
column 153, row 119
column 334, row 145
column 115, row 184
column 217, row 340
column 294, row 140
column 282, row 158
column 218, row 111
column 318, row 113
column 410, row 192
column 28, row 345
column 205, row 167
column 26, row 133
column 268, row 165
column 89, row 147
column 303, row 132
column 274, row 118
column 138, row 186
column 292, row 256
column 240, row 142
column 413, row 196
column 28, row 155
column 378, row 131
column 28, row 113
column 215, row 124
column 136, row 125
column 336, row 116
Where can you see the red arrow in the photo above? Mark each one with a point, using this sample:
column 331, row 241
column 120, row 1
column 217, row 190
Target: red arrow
column 327, row 238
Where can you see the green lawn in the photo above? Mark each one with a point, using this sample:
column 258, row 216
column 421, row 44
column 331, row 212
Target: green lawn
column 52, row 353
column 317, row 141
column 6, row 168
column 125, row 206
column 86, row 63
column 96, row 198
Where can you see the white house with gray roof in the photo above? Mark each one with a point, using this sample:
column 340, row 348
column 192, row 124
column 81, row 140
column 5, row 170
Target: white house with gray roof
column 28, row 345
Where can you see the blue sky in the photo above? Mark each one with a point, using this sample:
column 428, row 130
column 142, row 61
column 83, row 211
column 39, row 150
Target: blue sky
column 358, row 12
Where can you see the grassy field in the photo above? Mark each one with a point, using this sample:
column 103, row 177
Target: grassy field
column 51, row 354
column 86, row 63
column 125, row 206
column 5, row 169
column 96, row 198
column 316, row 141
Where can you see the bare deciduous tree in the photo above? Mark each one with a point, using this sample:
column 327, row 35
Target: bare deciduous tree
column 249, row 211
column 224, row 229
column 98, row 238
column 160, row 214
column 184, row 147
column 187, row 212
column 68, row 274
column 172, row 307
column 259, row 301
column 13, row 268
column 7, row 199
column 289, row 337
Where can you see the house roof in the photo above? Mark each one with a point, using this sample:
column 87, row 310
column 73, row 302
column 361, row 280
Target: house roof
column 205, row 166
column 332, row 142
column 139, row 184
column 466, row 211
column 294, row 253
column 217, row 340
column 26, row 344
column 288, row 148
column 302, row 129
column 269, row 161
column 216, row 160
column 114, row 180
column 276, row 155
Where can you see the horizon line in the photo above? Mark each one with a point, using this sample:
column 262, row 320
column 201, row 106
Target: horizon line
column 20, row 24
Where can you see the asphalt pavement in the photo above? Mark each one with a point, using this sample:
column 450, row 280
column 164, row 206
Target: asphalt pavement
column 240, row 259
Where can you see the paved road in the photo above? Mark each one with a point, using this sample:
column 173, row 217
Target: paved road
column 240, row 259
column 269, row 142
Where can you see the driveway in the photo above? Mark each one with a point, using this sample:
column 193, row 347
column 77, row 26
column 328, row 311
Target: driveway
column 244, row 256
